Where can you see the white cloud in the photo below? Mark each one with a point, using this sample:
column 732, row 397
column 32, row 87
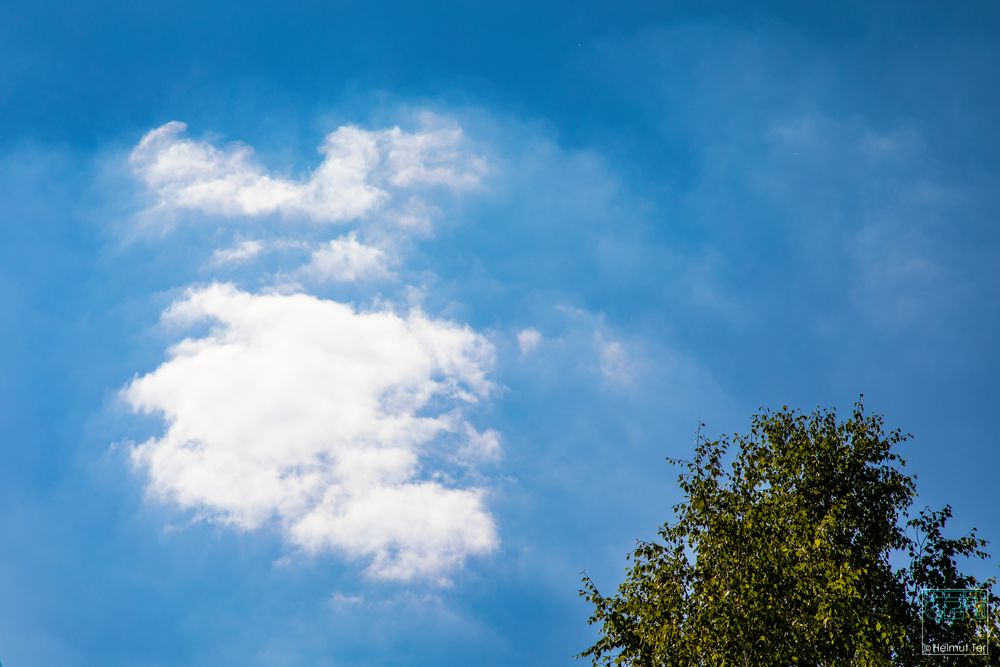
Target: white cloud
column 528, row 340
column 432, row 157
column 359, row 170
column 415, row 214
column 310, row 413
column 346, row 259
column 480, row 447
column 615, row 358
column 241, row 252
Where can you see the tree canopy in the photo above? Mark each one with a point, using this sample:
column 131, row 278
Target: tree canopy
column 795, row 544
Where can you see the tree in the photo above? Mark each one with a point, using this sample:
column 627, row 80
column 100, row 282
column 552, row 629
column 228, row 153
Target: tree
column 785, row 551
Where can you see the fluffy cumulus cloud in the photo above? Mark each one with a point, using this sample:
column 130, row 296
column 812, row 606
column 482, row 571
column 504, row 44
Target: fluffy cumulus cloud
column 317, row 416
column 360, row 172
column 345, row 427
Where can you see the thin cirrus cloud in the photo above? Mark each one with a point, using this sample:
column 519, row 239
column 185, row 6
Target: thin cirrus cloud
column 309, row 414
column 241, row 252
column 615, row 363
column 360, row 172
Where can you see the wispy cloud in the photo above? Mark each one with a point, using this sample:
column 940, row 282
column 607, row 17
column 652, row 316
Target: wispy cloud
column 615, row 362
column 241, row 252
column 611, row 358
column 528, row 339
column 346, row 259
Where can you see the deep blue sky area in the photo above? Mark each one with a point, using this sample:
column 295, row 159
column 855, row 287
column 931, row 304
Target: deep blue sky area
column 672, row 213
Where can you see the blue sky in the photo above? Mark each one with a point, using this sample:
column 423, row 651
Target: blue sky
column 432, row 373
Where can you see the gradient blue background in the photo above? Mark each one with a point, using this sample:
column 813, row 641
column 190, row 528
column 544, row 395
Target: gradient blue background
column 774, row 203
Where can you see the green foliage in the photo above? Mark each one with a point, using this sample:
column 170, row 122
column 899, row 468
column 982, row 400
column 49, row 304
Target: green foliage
column 781, row 555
